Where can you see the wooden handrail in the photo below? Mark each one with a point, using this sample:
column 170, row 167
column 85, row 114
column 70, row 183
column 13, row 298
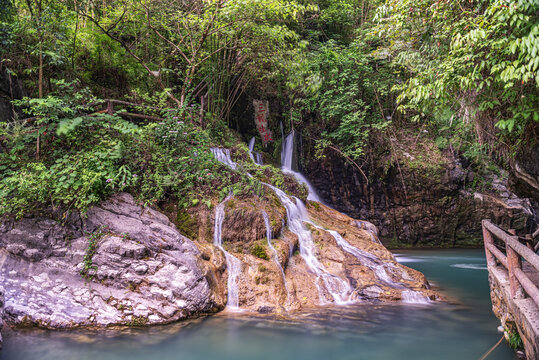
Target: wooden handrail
column 519, row 282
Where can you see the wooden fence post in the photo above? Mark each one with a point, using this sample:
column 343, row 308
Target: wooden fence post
column 514, row 262
column 487, row 239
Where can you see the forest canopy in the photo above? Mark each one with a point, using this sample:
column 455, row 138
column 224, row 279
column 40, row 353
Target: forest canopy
column 347, row 73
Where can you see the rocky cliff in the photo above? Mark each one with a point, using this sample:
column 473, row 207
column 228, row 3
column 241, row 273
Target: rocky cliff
column 423, row 201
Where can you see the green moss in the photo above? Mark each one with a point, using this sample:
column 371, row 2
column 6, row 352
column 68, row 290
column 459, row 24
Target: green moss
column 259, row 251
column 138, row 321
column 187, row 224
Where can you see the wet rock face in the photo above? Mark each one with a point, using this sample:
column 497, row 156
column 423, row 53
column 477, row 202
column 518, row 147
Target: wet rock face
column 441, row 209
column 524, row 175
column 138, row 270
column 264, row 288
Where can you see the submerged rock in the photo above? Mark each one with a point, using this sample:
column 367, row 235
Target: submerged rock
column 131, row 268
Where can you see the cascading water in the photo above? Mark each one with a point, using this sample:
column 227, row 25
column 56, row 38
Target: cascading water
column 223, row 155
column 381, row 270
column 269, row 236
column 251, row 148
column 258, row 158
column 286, row 165
column 371, row 229
column 233, row 264
column 255, row 156
column 339, row 290
column 366, row 259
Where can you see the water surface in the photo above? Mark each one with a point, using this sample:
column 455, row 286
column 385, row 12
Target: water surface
column 440, row 331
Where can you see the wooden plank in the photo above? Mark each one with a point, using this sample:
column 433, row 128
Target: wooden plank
column 487, row 239
column 524, row 251
column 512, row 241
column 120, row 102
column 528, row 285
column 496, row 231
column 498, row 254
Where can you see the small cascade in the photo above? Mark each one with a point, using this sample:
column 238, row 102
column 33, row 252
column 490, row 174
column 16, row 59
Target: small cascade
column 326, row 283
column 371, row 229
column 269, row 236
column 414, row 297
column 339, row 290
column 233, row 264
column 286, row 165
column 255, row 156
column 251, row 148
column 258, row 158
column 380, row 269
column 223, row 155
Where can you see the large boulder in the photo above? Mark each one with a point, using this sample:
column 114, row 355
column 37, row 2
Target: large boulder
column 121, row 264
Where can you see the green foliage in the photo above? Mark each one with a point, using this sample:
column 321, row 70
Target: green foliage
column 259, row 251
column 474, row 62
column 137, row 321
column 515, row 341
column 349, row 82
column 93, row 240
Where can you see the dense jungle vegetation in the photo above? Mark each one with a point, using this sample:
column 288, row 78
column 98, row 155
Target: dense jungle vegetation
column 348, row 73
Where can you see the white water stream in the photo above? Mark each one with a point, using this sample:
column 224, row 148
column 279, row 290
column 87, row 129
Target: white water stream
column 286, row 165
column 328, row 284
column 223, row 155
column 255, row 156
column 269, row 236
column 338, row 289
column 233, row 264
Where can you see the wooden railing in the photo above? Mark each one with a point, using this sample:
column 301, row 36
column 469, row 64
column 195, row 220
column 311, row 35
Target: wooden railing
column 520, row 284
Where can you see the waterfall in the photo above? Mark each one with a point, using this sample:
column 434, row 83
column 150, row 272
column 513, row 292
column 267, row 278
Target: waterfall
column 370, row 228
column 258, row 158
column 255, row 156
column 252, row 144
column 338, row 289
column 366, row 259
column 286, row 163
column 288, row 151
column 269, row 237
column 233, row 264
column 381, row 270
column 223, row 155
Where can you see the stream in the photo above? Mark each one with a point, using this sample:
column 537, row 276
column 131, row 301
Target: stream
column 464, row 330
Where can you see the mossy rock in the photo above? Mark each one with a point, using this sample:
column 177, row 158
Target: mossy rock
column 259, row 251
column 187, row 224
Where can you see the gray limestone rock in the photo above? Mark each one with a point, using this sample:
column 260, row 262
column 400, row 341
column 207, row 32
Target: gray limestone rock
column 143, row 270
